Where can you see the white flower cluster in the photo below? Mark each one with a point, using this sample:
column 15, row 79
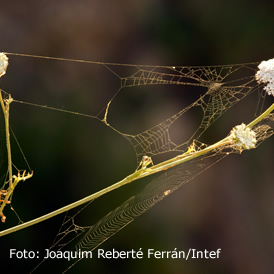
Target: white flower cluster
column 243, row 137
column 3, row 63
column 265, row 75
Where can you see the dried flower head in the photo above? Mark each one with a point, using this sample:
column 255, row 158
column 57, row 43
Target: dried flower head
column 243, row 137
column 3, row 64
column 265, row 75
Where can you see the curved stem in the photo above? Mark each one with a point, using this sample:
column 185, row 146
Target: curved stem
column 259, row 118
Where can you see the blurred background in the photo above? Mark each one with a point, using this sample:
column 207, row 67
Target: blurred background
column 230, row 206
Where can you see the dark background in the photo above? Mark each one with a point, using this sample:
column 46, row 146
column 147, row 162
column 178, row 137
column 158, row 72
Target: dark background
column 230, row 206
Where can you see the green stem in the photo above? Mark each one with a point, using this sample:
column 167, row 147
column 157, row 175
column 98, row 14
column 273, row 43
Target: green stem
column 259, row 118
column 5, row 108
column 126, row 180
column 135, row 176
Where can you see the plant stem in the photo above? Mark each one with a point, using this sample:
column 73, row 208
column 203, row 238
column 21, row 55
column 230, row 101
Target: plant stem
column 259, row 118
column 5, row 108
column 13, row 180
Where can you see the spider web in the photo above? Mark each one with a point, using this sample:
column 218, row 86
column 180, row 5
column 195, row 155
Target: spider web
column 91, row 237
column 159, row 188
column 221, row 94
column 221, row 88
